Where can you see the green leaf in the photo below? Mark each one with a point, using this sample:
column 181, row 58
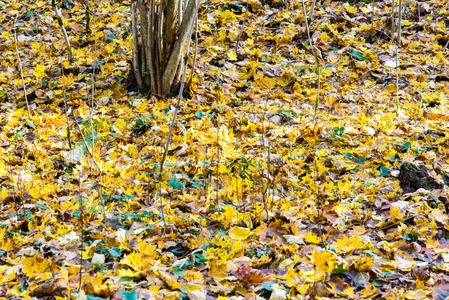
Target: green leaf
column 406, row 146
column 115, row 252
column 30, row 123
column 176, row 184
column 92, row 297
column 123, row 8
column 178, row 272
column 267, row 285
column 383, row 171
column 357, row 54
column 200, row 114
column 41, row 206
column 128, row 295
column 339, row 269
column 339, row 130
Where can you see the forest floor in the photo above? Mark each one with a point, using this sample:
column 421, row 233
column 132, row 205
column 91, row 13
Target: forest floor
column 273, row 188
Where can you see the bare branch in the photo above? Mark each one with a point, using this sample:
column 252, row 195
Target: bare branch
column 21, row 71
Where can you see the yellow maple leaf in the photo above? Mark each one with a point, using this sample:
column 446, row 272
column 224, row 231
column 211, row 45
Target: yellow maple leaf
column 369, row 290
column 239, row 233
column 228, row 215
column 416, row 295
column 217, row 271
column 34, row 266
column 324, row 261
column 128, row 273
column 134, row 260
column 39, row 72
column 346, row 245
column 364, row 264
column 312, row 238
column 3, row 172
column 350, row 9
column 169, row 279
column 292, row 278
column 35, row 192
column 232, row 56
column 120, row 124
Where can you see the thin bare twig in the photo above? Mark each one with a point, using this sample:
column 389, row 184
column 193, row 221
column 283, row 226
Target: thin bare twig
column 312, row 8
column 98, row 167
column 61, row 25
column 392, row 17
column 317, row 54
column 240, row 31
column 194, row 56
column 398, row 44
column 65, row 107
column 21, row 71
column 87, row 16
column 178, row 103
column 91, row 106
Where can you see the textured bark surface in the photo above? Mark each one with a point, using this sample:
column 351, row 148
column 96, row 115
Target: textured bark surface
column 160, row 33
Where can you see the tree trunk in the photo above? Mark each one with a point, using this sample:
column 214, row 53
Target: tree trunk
column 159, row 48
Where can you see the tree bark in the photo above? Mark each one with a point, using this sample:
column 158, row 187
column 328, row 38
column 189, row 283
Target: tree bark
column 176, row 54
column 159, row 48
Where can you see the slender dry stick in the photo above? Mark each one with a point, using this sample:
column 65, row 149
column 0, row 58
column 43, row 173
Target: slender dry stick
column 312, row 8
column 218, row 160
column 88, row 16
column 81, row 235
column 21, row 71
column 393, row 6
column 264, row 191
column 65, row 106
column 372, row 22
column 320, row 208
column 178, row 103
column 91, row 108
column 100, row 194
column 398, row 44
column 93, row 159
column 61, row 25
column 240, row 31
column 316, row 54
column 135, row 44
column 194, row 56
column 307, row 24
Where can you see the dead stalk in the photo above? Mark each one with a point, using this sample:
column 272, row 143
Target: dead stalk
column 312, row 8
column 65, row 107
column 372, row 21
column 61, row 25
column 178, row 103
column 392, row 17
column 317, row 55
column 95, row 163
column 264, row 192
column 135, row 44
column 194, row 55
column 398, row 44
column 87, row 16
column 91, row 106
column 240, row 31
column 21, row 72
column 81, row 235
